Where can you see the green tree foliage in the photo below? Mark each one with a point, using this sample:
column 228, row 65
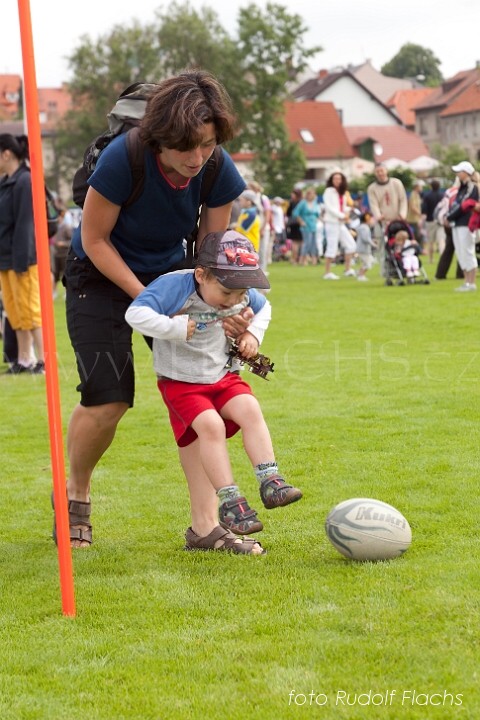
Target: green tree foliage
column 100, row 71
column 415, row 61
column 447, row 156
column 256, row 67
column 272, row 48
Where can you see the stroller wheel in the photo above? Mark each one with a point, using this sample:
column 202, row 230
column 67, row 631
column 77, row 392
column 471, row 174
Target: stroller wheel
column 389, row 281
column 426, row 282
column 401, row 282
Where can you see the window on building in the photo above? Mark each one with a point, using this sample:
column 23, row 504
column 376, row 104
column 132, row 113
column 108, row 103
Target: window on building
column 306, row 136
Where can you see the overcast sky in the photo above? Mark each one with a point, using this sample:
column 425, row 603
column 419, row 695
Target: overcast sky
column 349, row 31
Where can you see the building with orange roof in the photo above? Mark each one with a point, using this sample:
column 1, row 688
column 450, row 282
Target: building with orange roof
column 402, row 103
column 10, row 96
column 429, row 119
column 460, row 121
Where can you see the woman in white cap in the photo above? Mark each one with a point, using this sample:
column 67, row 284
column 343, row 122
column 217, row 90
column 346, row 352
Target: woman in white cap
column 458, row 217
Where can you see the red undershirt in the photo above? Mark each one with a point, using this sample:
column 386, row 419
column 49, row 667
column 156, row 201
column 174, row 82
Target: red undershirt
column 162, row 173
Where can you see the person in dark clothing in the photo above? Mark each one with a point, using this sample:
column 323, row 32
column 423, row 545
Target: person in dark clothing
column 435, row 232
column 458, row 217
column 445, row 259
column 294, row 232
column 18, row 258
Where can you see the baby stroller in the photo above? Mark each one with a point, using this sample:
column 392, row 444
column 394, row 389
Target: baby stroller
column 282, row 249
column 395, row 258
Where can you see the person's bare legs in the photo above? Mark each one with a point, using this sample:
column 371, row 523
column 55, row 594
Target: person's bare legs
column 245, row 411
column 90, row 434
column 348, row 262
column 24, row 343
column 470, row 276
column 203, row 498
column 328, row 265
column 38, row 343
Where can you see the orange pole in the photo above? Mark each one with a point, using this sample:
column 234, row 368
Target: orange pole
column 46, row 300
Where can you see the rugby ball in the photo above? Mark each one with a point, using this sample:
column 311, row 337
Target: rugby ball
column 366, row 529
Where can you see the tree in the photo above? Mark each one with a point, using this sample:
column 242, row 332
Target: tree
column 100, row 71
column 447, row 156
column 272, row 52
column 255, row 67
column 415, row 61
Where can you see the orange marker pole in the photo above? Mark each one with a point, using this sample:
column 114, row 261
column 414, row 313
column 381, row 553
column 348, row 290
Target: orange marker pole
column 48, row 323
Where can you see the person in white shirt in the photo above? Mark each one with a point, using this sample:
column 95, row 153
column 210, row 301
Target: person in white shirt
column 336, row 217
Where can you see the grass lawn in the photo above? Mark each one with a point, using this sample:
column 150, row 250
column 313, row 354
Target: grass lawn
column 375, row 393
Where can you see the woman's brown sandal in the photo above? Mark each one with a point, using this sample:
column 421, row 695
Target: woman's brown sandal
column 78, row 514
column 221, row 540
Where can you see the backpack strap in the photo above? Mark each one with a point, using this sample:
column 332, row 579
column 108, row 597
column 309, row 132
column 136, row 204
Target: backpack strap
column 136, row 157
column 212, row 169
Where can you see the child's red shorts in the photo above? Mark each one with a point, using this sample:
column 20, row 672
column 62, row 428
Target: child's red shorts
column 185, row 401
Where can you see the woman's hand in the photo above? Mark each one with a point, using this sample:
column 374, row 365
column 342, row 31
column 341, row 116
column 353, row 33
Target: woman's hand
column 236, row 325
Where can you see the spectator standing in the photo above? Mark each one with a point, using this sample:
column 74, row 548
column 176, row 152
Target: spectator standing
column 387, row 200
column 414, row 212
column 307, row 212
column 337, row 208
column 278, row 220
column 445, row 259
column 61, row 245
column 458, row 218
column 265, row 207
column 365, row 245
column 434, row 229
column 248, row 221
column 294, row 232
column 18, row 257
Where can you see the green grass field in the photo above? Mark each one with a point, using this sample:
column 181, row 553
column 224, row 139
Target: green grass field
column 376, row 394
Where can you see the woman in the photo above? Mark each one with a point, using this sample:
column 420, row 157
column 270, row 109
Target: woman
column 18, row 257
column 118, row 250
column 307, row 213
column 337, row 214
column 458, row 218
column 294, row 232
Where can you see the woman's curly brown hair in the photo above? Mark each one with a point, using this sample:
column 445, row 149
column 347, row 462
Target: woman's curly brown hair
column 177, row 112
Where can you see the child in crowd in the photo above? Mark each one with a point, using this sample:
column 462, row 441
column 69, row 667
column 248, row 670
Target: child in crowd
column 365, row 244
column 406, row 249
column 248, row 222
column 207, row 403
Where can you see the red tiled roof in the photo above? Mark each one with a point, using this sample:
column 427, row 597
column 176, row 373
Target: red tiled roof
column 53, row 103
column 397, row 142
column 446, row 93
column 10, row 94
column 403, row 102
column 467, row 101
column 322, row 121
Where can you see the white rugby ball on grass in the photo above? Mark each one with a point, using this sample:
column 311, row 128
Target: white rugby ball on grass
column 367, row 529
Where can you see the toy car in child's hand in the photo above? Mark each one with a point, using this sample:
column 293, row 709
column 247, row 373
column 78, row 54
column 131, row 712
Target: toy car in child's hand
column 258, row 365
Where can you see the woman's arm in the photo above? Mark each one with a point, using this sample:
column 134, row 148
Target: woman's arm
column 98, row 220
column 213, row 220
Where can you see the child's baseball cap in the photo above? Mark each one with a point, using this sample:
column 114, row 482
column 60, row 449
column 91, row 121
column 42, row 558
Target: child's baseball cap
column 233, row 260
